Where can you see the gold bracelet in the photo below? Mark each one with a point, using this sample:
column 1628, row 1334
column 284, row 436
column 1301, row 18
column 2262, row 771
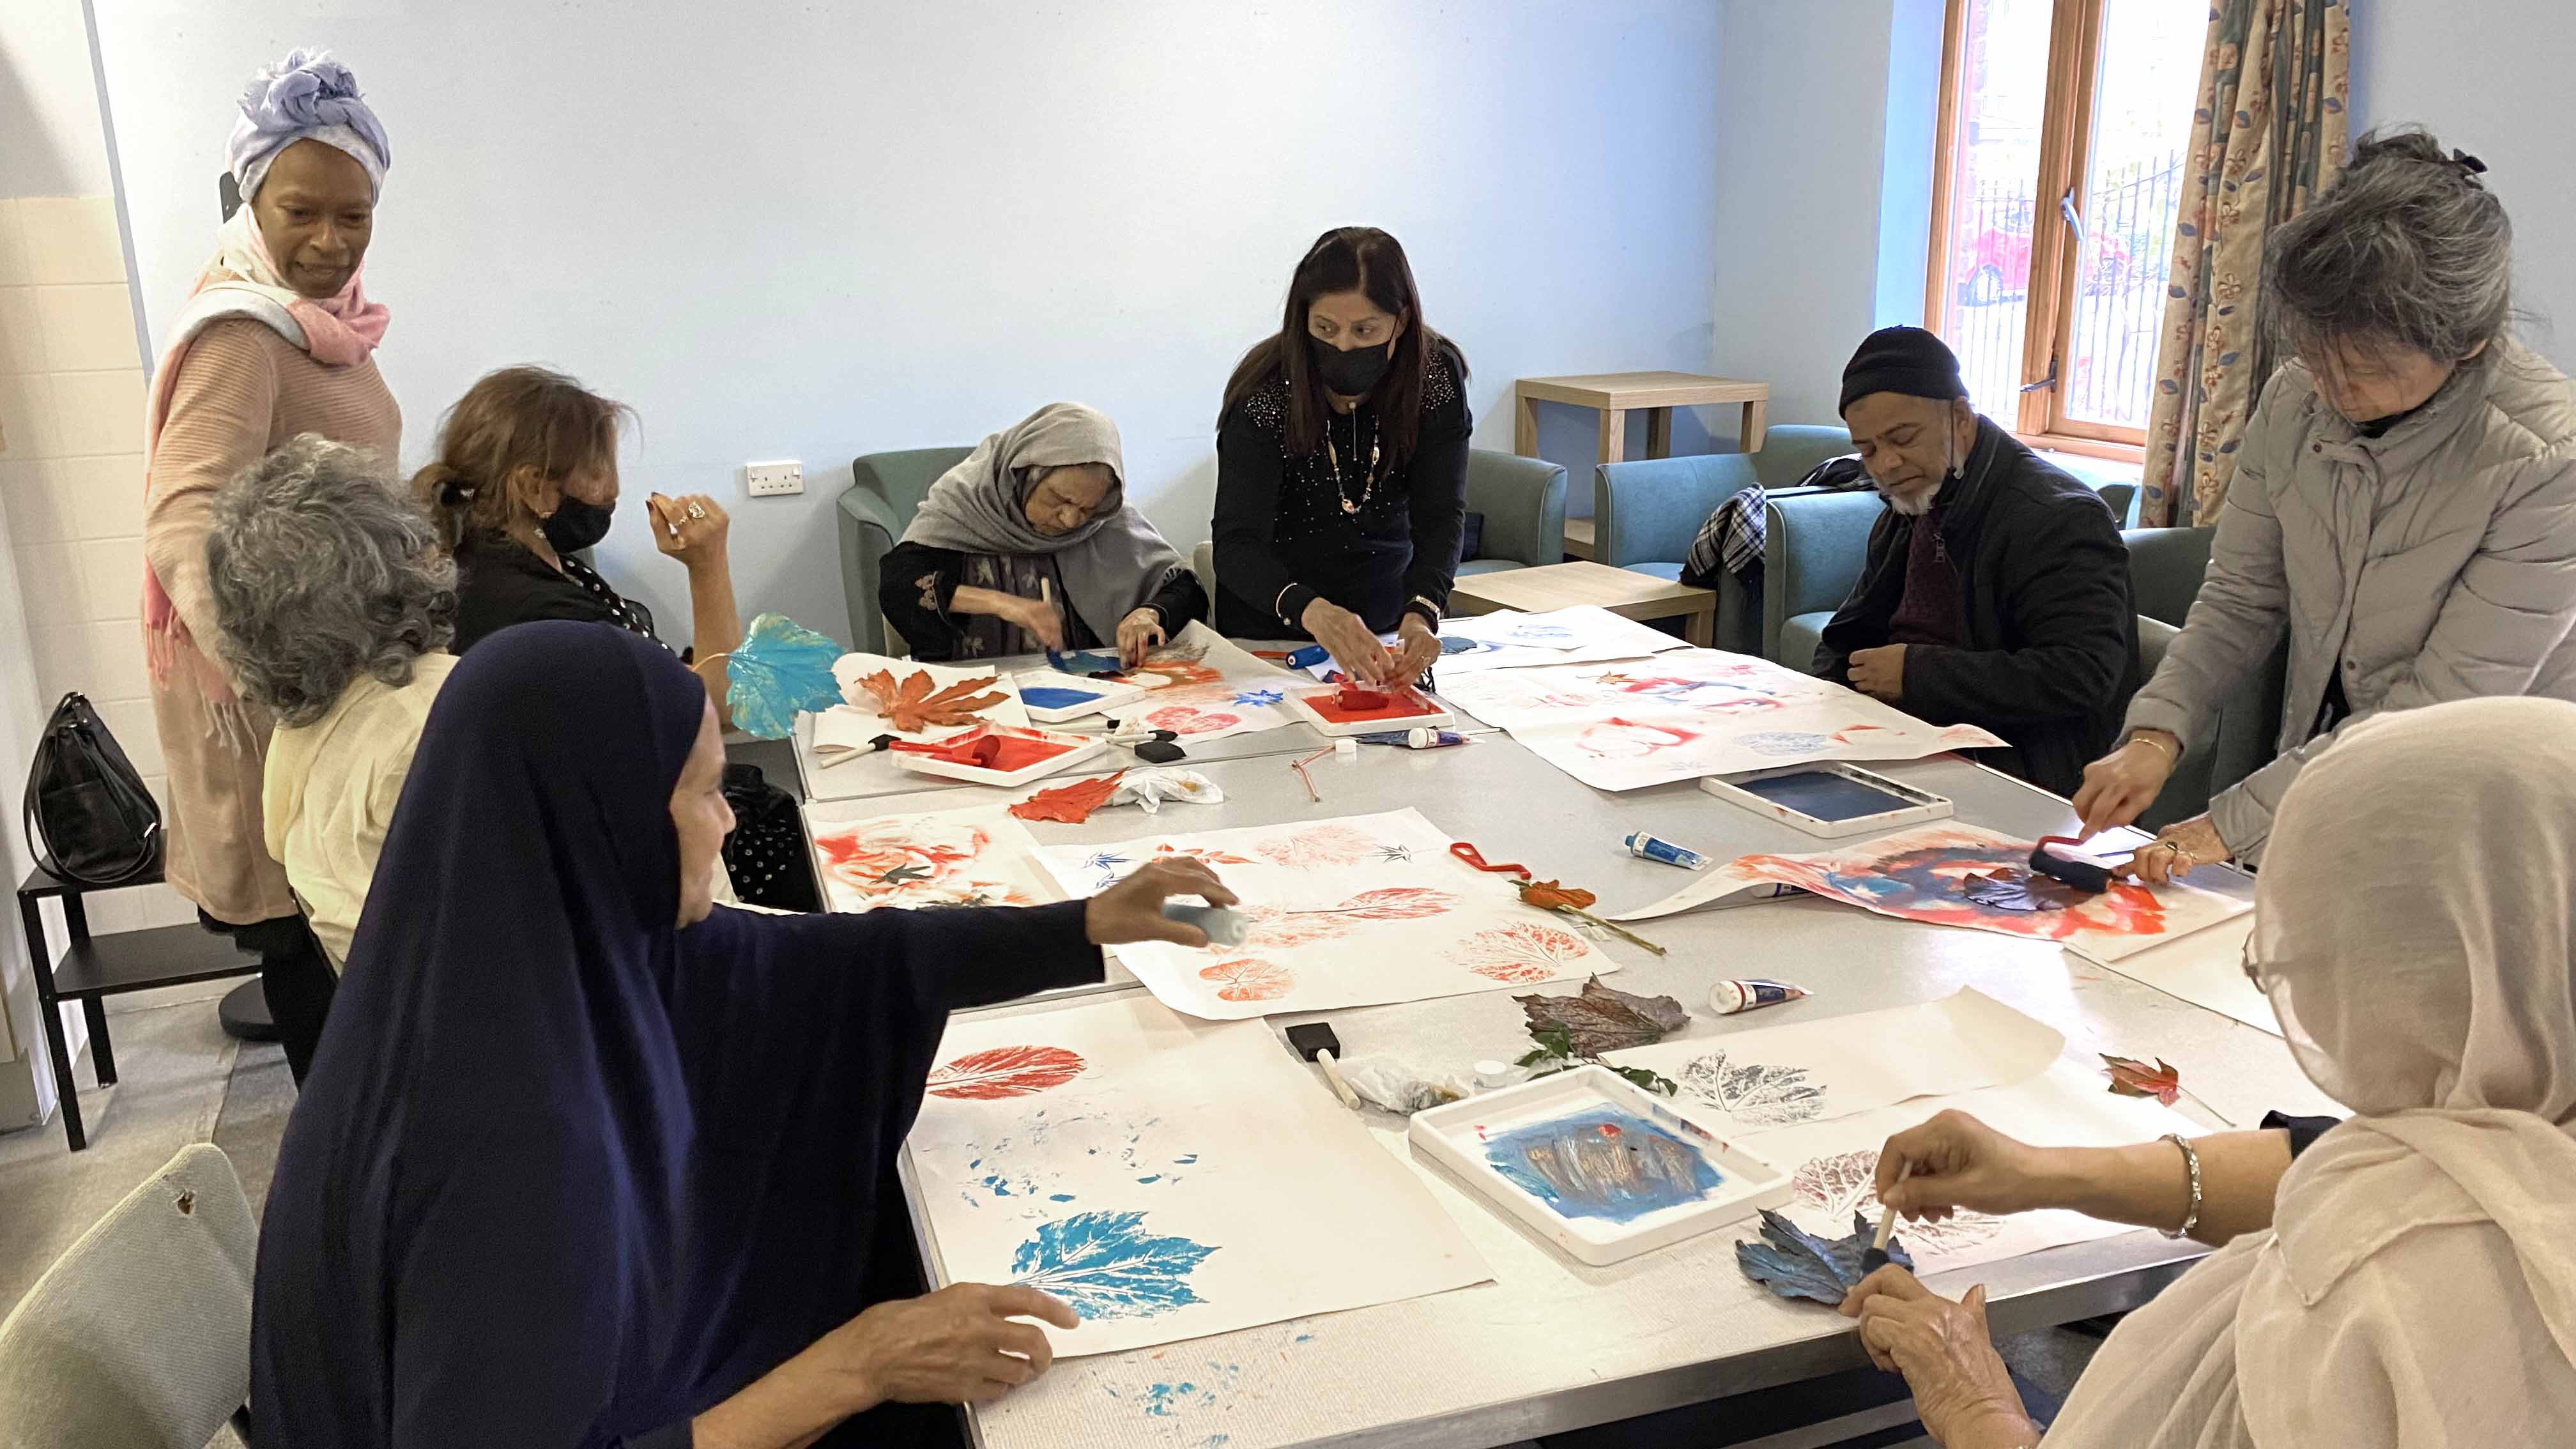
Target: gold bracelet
column 2172, row 756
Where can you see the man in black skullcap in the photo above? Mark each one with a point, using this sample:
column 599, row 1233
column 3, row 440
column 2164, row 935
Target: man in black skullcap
column 1996, row 592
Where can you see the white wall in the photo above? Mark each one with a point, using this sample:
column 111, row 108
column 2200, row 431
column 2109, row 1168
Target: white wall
column 1824, row 194
column 820, row 231
column 2497, row 89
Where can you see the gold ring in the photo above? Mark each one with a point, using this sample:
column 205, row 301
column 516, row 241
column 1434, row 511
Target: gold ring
column 695, row 511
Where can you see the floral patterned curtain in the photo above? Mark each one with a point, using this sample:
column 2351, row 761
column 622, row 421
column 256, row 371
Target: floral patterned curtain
column 2267, row 135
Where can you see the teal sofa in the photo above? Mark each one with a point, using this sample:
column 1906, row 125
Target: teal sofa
column 2165, row 568
column 885, row 490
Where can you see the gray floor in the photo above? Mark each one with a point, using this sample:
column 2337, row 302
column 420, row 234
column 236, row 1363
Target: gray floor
column 182, row 1080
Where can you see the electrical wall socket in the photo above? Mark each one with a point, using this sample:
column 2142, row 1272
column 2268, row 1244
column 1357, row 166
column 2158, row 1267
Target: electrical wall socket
column 765, row 480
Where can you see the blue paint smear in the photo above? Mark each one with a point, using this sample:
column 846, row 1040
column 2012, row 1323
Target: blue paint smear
column 1157, row 1177
column 1186, row 1161
column 1060, row 1197
column 1606, row 1164
column 1105, row 1265
column 1824, row 795
column 1047, row 696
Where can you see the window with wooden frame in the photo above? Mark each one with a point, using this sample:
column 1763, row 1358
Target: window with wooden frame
column 2057, row 174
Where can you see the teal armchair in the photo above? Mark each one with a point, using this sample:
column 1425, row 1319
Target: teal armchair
column 1523, row 503
column 2165, row 568
column 885, row 491
column 1813, row 547
column 1646, row 513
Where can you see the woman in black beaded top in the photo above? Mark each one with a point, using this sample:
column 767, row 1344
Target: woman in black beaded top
column 1341, row 486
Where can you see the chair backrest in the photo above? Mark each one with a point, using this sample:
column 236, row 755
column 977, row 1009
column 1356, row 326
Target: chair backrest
column 2123, row 501
column 1523, row 501
column 1649, row 511
column 2165, row 568
column 903, row 478
column 885, row 490
column 139, row 1334
column 1813, row 548
column 1792, row 450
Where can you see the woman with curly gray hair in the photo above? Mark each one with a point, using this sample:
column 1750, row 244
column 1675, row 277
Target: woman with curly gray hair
column 2404, row 505
column 336, row 601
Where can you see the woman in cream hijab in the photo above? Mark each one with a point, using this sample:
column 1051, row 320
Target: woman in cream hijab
column 2415, row 928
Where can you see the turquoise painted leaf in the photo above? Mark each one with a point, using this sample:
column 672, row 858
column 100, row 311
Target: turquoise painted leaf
column 1795, row 1263
column 1105, row 1265
column 781, row 669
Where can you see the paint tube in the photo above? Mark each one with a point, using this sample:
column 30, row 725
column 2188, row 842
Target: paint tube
column 1420, row 737
column 1727, row 998
column 1647, row 847
column 1224, row 926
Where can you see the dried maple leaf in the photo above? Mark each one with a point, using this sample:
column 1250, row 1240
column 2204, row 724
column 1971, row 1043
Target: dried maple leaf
column 2137, row 1079
column 2020, row 892
column 1795, row 1263
column 1547, row 895
column 913, row 705
column 1072, row 803
column 1603, row 1020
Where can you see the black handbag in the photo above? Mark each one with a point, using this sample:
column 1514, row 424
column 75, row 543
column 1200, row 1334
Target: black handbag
column 88, row 818
column 765, row 855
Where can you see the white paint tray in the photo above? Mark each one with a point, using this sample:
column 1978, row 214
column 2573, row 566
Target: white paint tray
column 1438, row 716
column 1834, row 800
column 1082, row 747
column 1104, row 693
column 1653, row 1149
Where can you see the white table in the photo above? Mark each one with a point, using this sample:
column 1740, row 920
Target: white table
column 1552, row 1345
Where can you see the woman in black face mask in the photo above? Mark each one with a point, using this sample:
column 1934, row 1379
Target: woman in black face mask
column 526, row 478
column 1341, row 488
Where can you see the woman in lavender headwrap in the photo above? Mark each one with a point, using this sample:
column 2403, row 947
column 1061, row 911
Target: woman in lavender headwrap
column 276, row 339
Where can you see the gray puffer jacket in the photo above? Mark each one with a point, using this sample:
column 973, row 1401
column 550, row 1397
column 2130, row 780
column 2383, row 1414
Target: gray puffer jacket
column 2435, row 563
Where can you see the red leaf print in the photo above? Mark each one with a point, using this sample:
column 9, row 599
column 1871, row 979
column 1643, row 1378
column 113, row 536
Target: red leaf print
column 1249, row 980
column 1072, row 803
column 1016, row 1071
column 1395, row 903
column 1520, row 952
column 1202, row 853
column 1323, row 845
column 1274, row 929
column 1181, row 719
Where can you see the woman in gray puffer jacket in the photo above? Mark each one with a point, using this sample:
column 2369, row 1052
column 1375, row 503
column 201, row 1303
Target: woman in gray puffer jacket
column 2404, row 501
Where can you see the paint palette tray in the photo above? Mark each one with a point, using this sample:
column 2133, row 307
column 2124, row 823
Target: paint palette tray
column 1600, row 1167
column 1052, row 697
column 1023, row 755
column 1401, row 708
column 1828, row 798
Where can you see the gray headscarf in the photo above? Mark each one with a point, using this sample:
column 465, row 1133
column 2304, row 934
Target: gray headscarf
column 1110, row 565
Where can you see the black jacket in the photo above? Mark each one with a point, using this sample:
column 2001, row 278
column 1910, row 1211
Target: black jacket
column 2050, row 651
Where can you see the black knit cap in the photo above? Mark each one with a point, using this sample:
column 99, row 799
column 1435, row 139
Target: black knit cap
column 1905, row 360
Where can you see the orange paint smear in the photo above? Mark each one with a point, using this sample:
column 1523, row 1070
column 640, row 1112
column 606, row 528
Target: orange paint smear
column 1352, row 706
column 991, row 751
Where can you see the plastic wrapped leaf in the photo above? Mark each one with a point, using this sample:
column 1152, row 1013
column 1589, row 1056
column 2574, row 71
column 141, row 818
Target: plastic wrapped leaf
column 781, row 670
column 1795, row 1263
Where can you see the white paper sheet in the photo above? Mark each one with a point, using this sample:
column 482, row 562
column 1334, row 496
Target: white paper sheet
column 849, row 724
column 1834, row 1163
column 1689, row 714
column 980, row 857
column 1204, row 687
column 1741, row 1082
column 2207, row 969
column 1170, row 1179
column 1510, row 639
column 1920, row 875
column 1357, row 911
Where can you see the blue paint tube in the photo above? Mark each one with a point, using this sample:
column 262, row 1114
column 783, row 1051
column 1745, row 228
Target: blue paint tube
column 1309, row 657
column 1727, row 998
column 1420, row 737
column 1647, row 847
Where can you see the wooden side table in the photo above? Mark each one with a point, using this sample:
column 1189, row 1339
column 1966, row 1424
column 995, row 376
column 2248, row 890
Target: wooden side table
column 1614, row 395
column 1567, row 585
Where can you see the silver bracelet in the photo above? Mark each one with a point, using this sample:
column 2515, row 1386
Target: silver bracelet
column 2191, row 1161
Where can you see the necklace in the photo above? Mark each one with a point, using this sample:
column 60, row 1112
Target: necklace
column 1368, row 482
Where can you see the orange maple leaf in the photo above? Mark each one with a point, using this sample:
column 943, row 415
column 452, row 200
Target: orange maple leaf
column 1547, row 895
column 1072, row 803
column 913, row 705
column 2136, row 1079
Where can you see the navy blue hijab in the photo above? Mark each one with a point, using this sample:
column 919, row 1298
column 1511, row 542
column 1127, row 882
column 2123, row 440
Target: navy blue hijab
column 563, row 1174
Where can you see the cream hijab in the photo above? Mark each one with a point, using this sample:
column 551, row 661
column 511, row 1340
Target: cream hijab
column 2415, row 925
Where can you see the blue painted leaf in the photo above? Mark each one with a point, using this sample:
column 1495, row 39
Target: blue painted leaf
column 1795, row 1263
column 781, row 669
column 1105, row 1265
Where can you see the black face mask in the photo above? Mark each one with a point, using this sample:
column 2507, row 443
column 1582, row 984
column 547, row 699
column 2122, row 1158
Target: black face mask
column 576, row 525
column 1350, row 373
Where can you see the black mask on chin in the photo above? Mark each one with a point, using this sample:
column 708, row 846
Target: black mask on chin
column 576, row 525
column 1350, row 373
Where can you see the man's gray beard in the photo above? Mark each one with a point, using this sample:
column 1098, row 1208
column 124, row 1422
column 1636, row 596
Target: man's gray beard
column 1918, row 505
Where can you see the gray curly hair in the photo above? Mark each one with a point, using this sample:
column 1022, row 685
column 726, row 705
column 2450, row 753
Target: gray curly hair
column 323, row 569
column 2407, row 249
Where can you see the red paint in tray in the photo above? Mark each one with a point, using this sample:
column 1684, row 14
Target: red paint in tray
column 1354, row 705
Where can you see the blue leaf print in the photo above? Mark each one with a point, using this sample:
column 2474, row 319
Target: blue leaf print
column 1263, row 695
column 1104, row 861
column 1104, row 1265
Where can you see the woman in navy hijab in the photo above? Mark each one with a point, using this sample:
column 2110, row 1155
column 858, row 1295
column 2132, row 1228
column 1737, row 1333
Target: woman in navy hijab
column 584, row 1161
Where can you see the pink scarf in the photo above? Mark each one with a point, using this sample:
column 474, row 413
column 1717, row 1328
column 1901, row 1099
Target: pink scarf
column 241, row 281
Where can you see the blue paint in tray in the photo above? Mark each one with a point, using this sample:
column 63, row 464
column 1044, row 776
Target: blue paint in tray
column 1604, row 1163
column 1824, row 795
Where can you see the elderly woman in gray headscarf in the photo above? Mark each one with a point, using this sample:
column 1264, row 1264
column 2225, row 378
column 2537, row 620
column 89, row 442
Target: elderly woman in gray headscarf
column 1030, row 544
column 2415, row 927
column 2404, row 504
column 336, row 603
